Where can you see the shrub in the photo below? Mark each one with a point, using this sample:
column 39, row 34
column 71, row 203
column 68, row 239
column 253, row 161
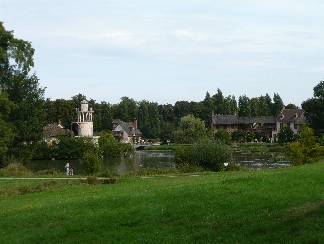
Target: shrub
column 15, row 169
column 206, row 154
column 182, row 155
column 223, row 136
column 127, row 149
column 91, row 163
column 109, row 146
column 306, row 150
column 210, row 155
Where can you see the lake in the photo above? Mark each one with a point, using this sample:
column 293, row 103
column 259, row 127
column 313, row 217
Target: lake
column 156, row 159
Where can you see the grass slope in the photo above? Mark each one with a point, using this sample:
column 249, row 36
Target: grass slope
column 273, row 206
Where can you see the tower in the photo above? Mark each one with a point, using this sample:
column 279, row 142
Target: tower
column 85, row 124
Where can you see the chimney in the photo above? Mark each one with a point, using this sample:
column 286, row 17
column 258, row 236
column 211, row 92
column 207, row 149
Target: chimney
column 135, row 123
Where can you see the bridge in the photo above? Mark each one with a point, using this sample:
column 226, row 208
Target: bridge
column 141, row 146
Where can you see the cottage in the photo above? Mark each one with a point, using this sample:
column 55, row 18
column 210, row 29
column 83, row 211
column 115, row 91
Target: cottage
column 126, row 132
column 52, row 131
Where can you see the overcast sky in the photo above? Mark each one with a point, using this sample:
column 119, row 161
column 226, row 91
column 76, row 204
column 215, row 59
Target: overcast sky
column 172, row 50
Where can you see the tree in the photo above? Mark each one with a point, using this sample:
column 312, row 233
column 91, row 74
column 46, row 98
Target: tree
column 181, row 109
column 207, row 110
column 218, row 102
column 285, row 135
column 313, row 109
column 291, row 106
column 103, row 117
column 244, row 106
column 6, row 130
column 27, row 118
column 306, row 150
column 190, row 130
column 278, row 105
column 109, row 147
column 126, row 110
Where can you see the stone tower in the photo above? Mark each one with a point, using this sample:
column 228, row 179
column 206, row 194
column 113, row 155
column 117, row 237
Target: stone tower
column 85, row 124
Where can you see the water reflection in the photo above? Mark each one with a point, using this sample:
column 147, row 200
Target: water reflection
column 156, row 159
column 253, row 161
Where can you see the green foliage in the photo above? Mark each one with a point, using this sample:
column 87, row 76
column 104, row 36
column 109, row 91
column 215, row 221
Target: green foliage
column 313, row 109
column 210, row 155
column 6, row 128
column 190, row 130
column 223, row 136
column 91, row 163
column 64, row 148
column 14, row 169
column 127, row 149
column 108, row 146
column 285, row 135
column 24, row 101
column 207, row 154
column 306, row 150
column 182, row 155
column 238, row 136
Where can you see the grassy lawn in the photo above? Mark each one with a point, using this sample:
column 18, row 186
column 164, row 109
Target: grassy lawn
column 270, row 206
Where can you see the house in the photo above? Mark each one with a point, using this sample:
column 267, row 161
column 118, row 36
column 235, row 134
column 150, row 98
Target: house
column 268, row 127
column 52, row 131
column 126, row 132
column 292, row 118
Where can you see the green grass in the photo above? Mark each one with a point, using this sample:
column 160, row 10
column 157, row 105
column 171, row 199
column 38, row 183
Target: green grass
column 271, row 206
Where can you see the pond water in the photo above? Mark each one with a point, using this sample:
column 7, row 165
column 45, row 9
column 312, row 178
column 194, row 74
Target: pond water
column 155, row 159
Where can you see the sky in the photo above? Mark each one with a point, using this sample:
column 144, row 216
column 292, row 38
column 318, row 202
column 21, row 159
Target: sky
column 172, row 50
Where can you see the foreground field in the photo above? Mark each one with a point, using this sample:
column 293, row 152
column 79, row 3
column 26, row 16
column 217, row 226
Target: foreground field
column 273, row 206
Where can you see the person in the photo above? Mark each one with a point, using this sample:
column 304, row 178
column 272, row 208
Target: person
column 67, row 167
column 71, row 169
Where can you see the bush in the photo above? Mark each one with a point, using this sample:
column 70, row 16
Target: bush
column 90, row 163
column 182, row 155
column 207, row 154
column 109, row 146
column 15, row 169
column 210, row 155
column 306, row 150
column 127, row 149
column 223, row 136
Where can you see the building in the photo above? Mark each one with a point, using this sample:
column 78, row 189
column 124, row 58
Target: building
column 267, row 127
column 53, row 131
column 126, row 132
column 292, row 118
column 84, row 125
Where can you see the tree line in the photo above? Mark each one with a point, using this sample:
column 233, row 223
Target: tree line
column 160, row 120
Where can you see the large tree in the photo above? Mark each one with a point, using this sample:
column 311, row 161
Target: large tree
column 190, row 130
column 314, row 109
column 27, row 117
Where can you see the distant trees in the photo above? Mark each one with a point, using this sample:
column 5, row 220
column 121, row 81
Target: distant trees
column 260, row 106
column 159, row 121
column 314, row 109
